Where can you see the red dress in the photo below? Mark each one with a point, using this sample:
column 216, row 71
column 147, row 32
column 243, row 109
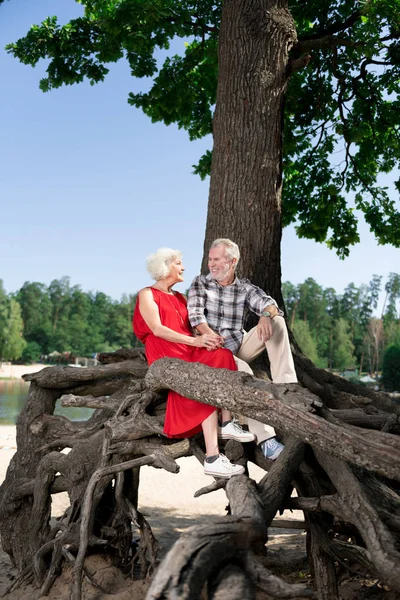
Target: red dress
column 183, row 417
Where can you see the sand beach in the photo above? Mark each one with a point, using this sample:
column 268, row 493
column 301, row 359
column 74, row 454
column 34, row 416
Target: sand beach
column 10, row 371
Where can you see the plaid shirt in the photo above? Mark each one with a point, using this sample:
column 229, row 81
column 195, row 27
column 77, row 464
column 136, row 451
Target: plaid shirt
column 224, row 307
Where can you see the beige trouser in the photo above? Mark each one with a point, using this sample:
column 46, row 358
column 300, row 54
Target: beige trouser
column 281, row 361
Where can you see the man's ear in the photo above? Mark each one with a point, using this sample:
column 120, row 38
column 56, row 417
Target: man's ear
column 234, row 261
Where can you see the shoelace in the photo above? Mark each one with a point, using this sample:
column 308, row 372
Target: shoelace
column 225, row 462
column 273, row 444
column 237, row 426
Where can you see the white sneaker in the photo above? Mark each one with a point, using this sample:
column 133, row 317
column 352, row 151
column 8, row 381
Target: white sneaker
column 271, row 448
column 222, row 467
column 233, row 431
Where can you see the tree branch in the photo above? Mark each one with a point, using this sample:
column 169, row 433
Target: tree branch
column 337, row 27
column 286, row 406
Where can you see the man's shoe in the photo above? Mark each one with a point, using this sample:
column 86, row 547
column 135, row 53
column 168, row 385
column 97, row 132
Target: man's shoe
column 233, row 431
column 271, row 448
column 222, row 467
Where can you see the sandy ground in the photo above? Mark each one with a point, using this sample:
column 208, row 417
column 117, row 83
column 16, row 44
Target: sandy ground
column 9, row 371
column 166, row 500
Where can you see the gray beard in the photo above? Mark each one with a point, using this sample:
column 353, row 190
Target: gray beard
column 221, row 276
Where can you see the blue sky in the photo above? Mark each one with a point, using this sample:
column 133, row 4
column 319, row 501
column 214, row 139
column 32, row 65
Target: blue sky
column 89, row 186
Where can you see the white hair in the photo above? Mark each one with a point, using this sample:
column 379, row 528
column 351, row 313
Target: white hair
column 158, row 264
column 232, row 249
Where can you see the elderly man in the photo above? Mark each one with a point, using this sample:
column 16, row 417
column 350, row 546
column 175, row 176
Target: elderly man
column 217, row 304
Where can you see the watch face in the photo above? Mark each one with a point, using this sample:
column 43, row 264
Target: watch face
column 266, row 313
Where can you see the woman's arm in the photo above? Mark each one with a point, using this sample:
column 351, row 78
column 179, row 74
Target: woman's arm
column 149, row 311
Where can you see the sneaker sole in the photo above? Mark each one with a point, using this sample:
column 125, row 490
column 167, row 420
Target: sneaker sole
column 275, row 455
column 225, row 476
column 227, row 436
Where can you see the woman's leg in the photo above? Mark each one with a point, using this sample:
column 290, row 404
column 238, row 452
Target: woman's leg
column 219, row 359
column 226, row 415
column 210, row 431
column 222, row 359
column 216, row 464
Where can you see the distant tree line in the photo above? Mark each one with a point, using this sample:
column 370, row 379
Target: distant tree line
column 339, row 331
column 40, row 319
column 336, row 331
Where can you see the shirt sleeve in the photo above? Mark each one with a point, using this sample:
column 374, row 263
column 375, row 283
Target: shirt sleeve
column 197, row 302
column 257, row 300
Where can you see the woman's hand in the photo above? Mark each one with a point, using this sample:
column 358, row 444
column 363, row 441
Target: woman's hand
column 211, row 341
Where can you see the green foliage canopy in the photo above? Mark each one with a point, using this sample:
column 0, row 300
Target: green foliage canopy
column 391, row 368
column 12, row 342
column 31, row 353
column 342, row 325
column 392, row 289
column 36, row 311
column 342, row 112
column 62, row 317
column 306, row 341
column 342, row 346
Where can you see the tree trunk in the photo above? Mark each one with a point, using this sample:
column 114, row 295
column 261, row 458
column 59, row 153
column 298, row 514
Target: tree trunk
column 246, row 175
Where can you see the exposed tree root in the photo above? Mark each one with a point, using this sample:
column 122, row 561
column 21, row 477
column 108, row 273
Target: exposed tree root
column 342, row 455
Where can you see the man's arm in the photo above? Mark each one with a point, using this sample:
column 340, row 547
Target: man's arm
column 265, row 307
column 204, row 328
column 196, row 303
column 272, row 310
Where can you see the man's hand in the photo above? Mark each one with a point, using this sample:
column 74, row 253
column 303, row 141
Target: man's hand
column 216, row 341
column 264, row 329
column 209, row 341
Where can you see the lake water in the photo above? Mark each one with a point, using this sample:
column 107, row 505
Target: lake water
column 13, row 394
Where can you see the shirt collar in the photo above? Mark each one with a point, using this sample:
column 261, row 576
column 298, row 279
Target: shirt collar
column 234, row 282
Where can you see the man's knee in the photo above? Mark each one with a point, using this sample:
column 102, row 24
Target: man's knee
column 243, row 366
column 251, row 346
column 278, row 325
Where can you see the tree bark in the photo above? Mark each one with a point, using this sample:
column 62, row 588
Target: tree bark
column 246, row 175
column 286, row 406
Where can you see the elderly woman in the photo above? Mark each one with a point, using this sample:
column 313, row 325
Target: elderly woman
column 161, row 322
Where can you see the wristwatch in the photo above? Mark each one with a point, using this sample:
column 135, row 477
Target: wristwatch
column 266, row 313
